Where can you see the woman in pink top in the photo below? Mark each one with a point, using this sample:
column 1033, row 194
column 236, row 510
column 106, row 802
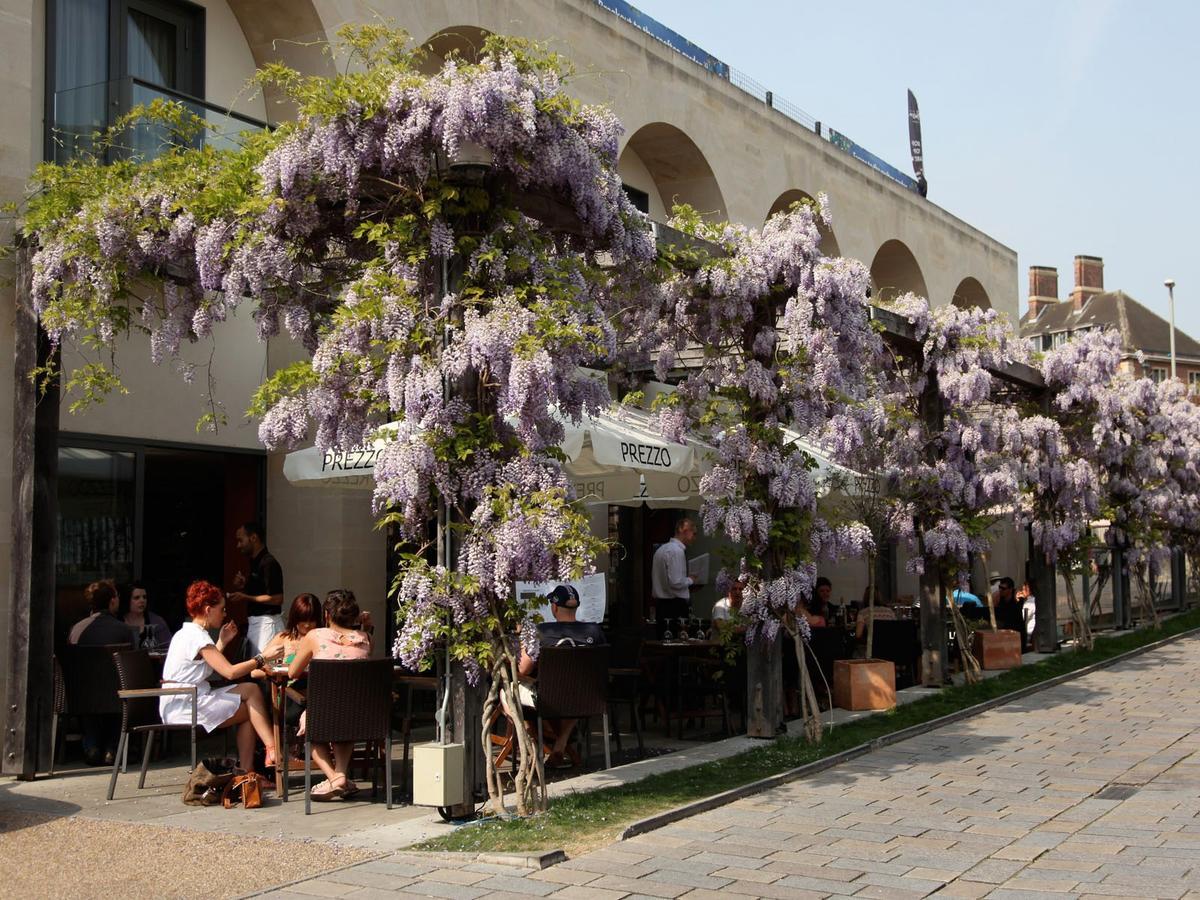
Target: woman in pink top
column 341, row 638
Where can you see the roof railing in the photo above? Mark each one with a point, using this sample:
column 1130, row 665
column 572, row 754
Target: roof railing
column 755, row 89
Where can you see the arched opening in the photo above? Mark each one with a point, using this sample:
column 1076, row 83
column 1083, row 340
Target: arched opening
column 894, row 272
column 829, row 242
column 665, row 164
column 970, row 295
column 463, row 41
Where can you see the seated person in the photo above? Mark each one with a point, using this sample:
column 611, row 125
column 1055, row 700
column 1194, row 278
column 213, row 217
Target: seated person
column 102, row 628
column 193, row 658
column 340, row 638
column 731, row 603
column 1029, row 609
column 1010, row 611
column 304, row 615
column 139, row 618
column 564, row 630
column 818, row 606
column 964, row 599
column 879, row 612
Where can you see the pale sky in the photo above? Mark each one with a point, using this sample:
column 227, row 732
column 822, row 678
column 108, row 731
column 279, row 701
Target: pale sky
column 1059, row 127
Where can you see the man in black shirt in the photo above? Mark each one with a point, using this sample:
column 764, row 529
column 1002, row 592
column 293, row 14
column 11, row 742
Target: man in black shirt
column 261, row 590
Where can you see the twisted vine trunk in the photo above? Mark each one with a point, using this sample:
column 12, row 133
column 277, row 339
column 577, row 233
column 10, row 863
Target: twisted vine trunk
column 1149, row 610
column 971, row 667
column 1083, row 631
column 810, row 709
column 991, row 607
column 529, row 775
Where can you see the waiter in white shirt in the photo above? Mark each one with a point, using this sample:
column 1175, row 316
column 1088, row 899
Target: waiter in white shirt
column 670, row 584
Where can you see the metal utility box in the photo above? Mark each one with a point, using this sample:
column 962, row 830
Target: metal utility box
column 438, row 774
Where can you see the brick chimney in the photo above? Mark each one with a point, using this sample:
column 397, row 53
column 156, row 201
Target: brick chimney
column 1043, row 289
column 1089, row 280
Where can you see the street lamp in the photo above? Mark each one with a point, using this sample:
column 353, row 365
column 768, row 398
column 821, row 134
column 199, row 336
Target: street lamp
column 1170, row 283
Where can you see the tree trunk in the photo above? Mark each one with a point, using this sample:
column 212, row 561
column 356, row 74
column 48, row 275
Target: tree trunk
column 1083, row 631
column 1149, row 610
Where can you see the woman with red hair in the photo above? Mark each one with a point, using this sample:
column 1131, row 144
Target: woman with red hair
column 193, row 658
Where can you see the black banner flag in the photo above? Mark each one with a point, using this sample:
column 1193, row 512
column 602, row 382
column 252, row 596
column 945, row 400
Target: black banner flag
column 914, row 141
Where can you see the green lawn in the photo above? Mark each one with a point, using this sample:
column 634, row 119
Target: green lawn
column 578, row 822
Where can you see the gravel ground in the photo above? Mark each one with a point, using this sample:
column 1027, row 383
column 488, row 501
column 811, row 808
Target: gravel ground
column 42, row 856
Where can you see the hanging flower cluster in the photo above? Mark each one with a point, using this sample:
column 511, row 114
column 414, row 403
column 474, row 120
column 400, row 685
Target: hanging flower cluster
column 776, row 334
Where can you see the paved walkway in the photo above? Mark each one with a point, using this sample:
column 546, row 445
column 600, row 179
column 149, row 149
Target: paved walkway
column 1088, row 789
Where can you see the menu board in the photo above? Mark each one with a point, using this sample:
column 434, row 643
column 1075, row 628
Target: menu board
column 593, row 597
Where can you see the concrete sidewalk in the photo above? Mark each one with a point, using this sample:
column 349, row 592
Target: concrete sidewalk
column 1087, row 789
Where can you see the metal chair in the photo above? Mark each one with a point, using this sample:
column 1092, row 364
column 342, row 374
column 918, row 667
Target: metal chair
column 139, row 694
column 349, row 700
column 573, row 684
column 625, row 684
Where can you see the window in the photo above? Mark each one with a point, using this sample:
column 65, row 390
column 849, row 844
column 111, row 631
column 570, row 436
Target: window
column 1194, row 382
column 1155, row 374
column 639, row 199
column 1059, row 338
column 106, row 56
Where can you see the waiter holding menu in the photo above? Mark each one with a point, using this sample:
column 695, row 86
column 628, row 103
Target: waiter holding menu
column 261, row 590
column 670, row 584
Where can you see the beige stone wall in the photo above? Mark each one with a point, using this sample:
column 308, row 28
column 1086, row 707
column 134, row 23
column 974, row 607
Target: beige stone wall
column 326, row 538
column 755, row 153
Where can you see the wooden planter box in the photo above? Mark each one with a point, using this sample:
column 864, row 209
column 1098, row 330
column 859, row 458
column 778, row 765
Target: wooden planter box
column 864, row 684
column 997, row 649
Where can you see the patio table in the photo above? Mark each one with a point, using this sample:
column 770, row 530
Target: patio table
column 676, row 651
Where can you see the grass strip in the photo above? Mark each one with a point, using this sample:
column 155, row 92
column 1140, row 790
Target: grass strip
column 582, row 821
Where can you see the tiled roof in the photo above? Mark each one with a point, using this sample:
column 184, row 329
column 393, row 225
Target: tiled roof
column 1141, row 328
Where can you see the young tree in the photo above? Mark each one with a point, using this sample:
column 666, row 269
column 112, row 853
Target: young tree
column 435, row 242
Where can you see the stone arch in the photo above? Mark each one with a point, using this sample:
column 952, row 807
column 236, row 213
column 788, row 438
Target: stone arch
column 464, row 41
column 664, row 163
column 970, row 294
column 895, row 271
column 829, row 241
column 291, row 33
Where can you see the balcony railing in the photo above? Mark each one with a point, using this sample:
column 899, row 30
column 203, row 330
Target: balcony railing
column 82, row 114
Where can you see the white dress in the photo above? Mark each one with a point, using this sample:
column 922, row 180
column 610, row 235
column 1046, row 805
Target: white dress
column 185, row 666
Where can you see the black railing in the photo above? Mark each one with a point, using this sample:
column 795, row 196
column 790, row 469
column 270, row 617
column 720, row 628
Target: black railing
column 83, row 114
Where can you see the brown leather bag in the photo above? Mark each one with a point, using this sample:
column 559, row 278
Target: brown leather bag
column 244, row 789
column 207, row 783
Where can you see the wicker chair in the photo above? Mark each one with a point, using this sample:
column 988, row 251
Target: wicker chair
column 349, row 700
column 89, row 683
column 139, row 695
column 573, row 684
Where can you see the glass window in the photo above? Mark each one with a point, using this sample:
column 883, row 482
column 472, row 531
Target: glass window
column 152, row 49
column 96, row 509
column 1155, row 374
column 1059, row 338
column 1194, row 382
column 80, row 98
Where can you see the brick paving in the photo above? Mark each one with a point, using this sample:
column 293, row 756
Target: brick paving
column 1090, row 789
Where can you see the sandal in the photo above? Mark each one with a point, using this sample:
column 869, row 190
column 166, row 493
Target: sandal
column 350, row 790
column 327, row 791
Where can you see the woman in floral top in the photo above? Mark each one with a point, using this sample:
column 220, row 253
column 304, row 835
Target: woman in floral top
column 342, row 637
